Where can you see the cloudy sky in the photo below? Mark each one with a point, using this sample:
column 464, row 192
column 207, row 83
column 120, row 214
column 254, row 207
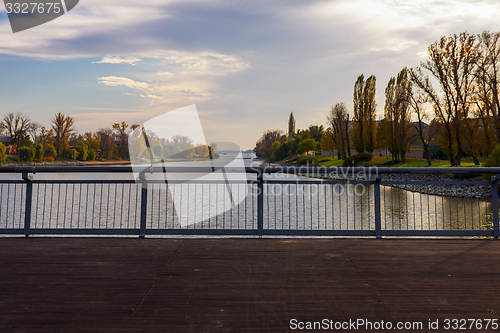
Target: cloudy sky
column 245, row 64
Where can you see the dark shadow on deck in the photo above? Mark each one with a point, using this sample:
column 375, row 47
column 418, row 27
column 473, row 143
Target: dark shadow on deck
column 240, row 285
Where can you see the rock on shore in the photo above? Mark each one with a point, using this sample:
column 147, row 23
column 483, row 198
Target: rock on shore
column 476, row 191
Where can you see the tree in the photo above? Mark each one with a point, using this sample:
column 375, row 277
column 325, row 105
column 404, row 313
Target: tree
column 275, row 148
column 123, row 132
column 263, row 146
column 307, row 145
column 370, row 113
column 359, row 114
column 487, row 76
column 46, row 138
column 27, row 153
column 137, row 148
column 327, row 143
column 83, row 150
column 291, row 126
column 338, row 118
column 442, row 111
column 50, row 151
column 452, row 61
column 63, row 127
column 16, row 125
column 381, row 137
column 39, row 152
column 158, row 149
column 364, row 113
column 316, row 132
column 201, row 150
column 72, row 153
column 91, row 155
column 32, row 131
column 105, row 138
column 416, row 100
column 397, row 115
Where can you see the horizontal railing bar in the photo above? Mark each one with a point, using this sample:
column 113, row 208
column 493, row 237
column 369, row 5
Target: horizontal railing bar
column 273, row 181
column 13, row 231
column 83, row 231
column 201, row 231
column 430, row 233
column 437, row 182
column 285, row 232
column 10, row 181
column 196, row 181
column 83, row 181
column 318, row 182
column 256, row 170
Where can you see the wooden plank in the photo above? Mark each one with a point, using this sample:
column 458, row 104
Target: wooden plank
column 238, row 285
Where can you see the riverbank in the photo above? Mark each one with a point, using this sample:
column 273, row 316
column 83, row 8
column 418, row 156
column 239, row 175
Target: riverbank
column 64, row 163
column 475, row 191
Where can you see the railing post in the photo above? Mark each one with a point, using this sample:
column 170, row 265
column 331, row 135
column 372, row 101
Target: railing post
column 494, row 205
column 378, row 219
column 144, row 204
column 260, row 204
column 29, row 198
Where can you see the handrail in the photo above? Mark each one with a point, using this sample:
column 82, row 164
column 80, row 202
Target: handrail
column 253, row 170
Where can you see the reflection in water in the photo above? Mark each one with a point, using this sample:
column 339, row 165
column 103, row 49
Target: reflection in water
column 406, row 210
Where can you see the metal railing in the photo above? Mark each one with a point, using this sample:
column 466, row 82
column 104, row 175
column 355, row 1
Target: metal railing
column 262, row 204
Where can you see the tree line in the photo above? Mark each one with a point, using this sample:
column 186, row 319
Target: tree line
column 61, row 140
column 451, row 101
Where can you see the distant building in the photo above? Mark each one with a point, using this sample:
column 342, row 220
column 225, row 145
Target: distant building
column 5, row 140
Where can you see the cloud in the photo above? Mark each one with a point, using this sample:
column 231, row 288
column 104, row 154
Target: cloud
column 118, row 60
column 178, row 77
column 115, row 81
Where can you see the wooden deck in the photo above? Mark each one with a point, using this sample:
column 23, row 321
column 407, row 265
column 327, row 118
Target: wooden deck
column 241, row 285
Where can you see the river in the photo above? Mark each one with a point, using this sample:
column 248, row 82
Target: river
column 180, row 202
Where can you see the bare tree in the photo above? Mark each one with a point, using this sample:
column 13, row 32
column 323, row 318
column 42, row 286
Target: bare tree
column 452, row 61
column 487, row 76
column 105, row 138
column 338, row 118
column 63, row 127
column 16, row 126
column 33, row 128
column 416, row 101
column 123, row 132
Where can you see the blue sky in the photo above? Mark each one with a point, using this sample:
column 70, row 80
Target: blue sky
column 245, row 64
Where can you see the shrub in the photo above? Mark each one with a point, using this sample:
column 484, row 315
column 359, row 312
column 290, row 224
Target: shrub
column 83, row 150
column 307, row 145
column 27, row 154
column 360, row 159
column 49, row 159
column 72, row 153
column 492, row 161
column 326, row 159
column 304, row 160
column 3, row 155
column 26, row 141
column 91, row 155
column 51, row 151
column 38, row 153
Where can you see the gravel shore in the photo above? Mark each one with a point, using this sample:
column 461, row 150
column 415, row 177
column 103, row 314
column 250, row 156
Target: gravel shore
column 477, row 191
